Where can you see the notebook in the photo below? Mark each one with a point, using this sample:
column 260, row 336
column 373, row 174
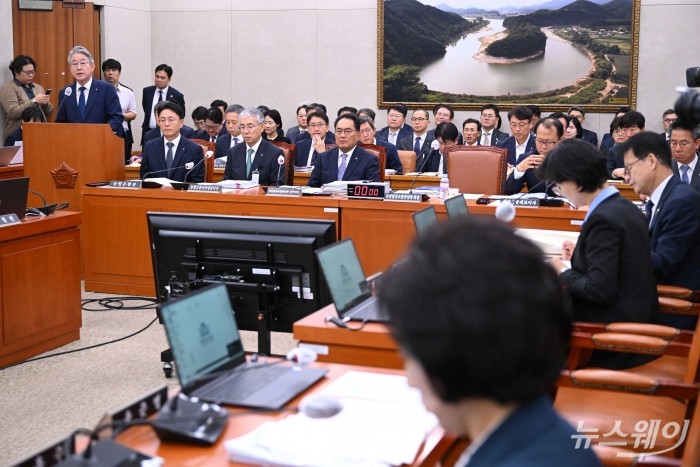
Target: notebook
column 347, row 283
column 456, row 206
column 7, row 154
column 209, row 358
column 424, row 219
column 13, row 196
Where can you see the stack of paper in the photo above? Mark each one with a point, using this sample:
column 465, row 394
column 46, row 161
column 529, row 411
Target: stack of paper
column 383, row 422
column 238, row 184
column 339, row 186
column 549, row 241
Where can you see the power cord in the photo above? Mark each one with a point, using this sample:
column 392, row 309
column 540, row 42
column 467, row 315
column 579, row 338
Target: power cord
column 342, row 323
column 117, row 303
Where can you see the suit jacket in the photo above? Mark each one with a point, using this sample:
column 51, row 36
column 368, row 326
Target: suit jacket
column 393, row 161
column 530, row 179
column 102, row 106
column 616, row 159
column 590, row 136
column 534, row 435
column 155, row 133
column 223, row 144
column 496, row 136
column 149, row 93
column 306, row 135
column 694, row 177
column 202, row 134
column 404, row 132
column 606, row 143
column 509, row 144
column 361, row 166
column 265, row 162
column 406, row 144
column 303, row 148
column 153, row 160
column 675, row 242
column 293, row 134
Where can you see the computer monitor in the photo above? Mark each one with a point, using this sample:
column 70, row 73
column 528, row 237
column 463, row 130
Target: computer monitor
column 267, row 263
column 456, row 206
column 424, row 219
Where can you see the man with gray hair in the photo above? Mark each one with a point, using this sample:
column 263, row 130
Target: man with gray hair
column 257, row 157
column 88, row 100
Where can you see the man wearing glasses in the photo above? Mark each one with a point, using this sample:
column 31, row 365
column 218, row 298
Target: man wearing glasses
column 522, row 140
column 257, row 155
column 684, row 144
column 490, row 126
column 397, row 128
column 347, row 161
column 548, row 132
column 669, row 116
column 420, row 141
column 310, row 147
column 213, row 124
column 88, row 100
column 631, row 123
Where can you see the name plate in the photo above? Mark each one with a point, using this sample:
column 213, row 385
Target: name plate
column 527, row 202
column 279, row 191
column 9, row 219
column 406, row 197
column 205, row 188
column 129, row 184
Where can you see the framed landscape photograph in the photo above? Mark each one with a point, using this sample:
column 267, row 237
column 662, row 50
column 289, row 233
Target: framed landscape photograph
column 467, row 53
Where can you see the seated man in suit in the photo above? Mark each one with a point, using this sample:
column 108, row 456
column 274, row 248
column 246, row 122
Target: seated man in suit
column 311, row 108
column 674, row 224
column 213, row 124
column 471, row 132
column 548, row 132
column 308, row 149
column 160, row 91
column 233, row 134
column 481, row 373
column 367, row 131
column 631, row 123
column 172, row 155
column 491, row 132
column 579, row 114
column 257, row 155
column 397, row 128
column 684, row 144
column 446, row 135
column 294, row 132
column 420, row 141
column 347, row 161
column 522, row 141
column 88, row 100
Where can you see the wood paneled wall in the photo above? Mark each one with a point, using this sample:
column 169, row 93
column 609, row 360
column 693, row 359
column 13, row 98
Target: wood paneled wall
column 47, row 36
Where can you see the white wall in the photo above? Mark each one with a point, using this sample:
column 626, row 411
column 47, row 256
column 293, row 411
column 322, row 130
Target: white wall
column 283, row 52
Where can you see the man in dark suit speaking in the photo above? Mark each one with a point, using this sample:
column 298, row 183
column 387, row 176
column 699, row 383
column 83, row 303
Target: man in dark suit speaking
column 172, row 155
column 161, row 91
column 257, row 155
column 348, row 161
column 88, row 100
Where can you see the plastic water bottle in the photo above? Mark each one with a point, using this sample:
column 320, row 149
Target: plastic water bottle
column 444, row 187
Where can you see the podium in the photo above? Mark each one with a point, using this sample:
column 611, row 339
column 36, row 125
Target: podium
column 60, row 158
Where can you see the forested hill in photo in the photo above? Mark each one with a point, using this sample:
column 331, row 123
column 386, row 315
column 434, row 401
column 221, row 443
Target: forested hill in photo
column 415, row 34
column 523, row 40
column 579, row 13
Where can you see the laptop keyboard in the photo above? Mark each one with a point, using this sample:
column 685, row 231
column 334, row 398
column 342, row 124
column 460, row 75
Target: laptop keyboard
column 245, row 382
column 365, row 310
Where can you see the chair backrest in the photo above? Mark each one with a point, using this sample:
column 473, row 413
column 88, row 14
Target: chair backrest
column 480, row 169
column 208, row 161
column 380, row 152
column 290, row 156
column 408, row 160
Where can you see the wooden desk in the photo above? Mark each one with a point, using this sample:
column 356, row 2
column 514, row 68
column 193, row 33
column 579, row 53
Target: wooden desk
column 40, row 285
column 12, row 171
column 144, row 439
column 372, row 346
column 397, row 182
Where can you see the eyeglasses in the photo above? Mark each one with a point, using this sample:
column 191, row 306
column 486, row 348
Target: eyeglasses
column 344, row 131
column 628, row 166
column 28, row 72
column 366, row 131
column 684, row 144
column 488, row 115
column 669, row 120
column 545, row 143
column 520, row 124
column 418, row 119
column 250, row 127
column 395, row 116
column 169, row 121
column 317, row 125
column 81, row 64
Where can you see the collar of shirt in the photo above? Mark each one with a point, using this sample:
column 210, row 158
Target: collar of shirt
column 29, row 86
column 520, row 148
column 605, row 193
column 87, row 85
column 349, row 153
column 692, row 165
column 176, row 143
column 165, row 94
column 656, row 195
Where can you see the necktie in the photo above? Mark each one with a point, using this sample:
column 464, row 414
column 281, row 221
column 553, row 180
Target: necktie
column 416, row 145
column 486, row 141
column 81, row 102
column 160, row 96
column 343, row 166
column 650, row 211
column 169, row 157
column 249, row 162
column 392, row 138
column 684, row 175
column 234, row 141
column 212, row 139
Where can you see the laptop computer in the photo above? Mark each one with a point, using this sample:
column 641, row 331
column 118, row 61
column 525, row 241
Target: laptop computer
column 456, row 206
column 424, row 219
column 209, row 358
column 7, row 154
column 347, row 283
column 13, row 196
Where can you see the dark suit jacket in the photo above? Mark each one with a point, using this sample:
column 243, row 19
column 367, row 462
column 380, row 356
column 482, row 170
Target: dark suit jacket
column 265, row 162
column 616, row 159
column 405, row 131
column 675, row 242
column 223, row 144
column 533, row 435
column 102, row 106
column 202, row 134
column 155, row 133
column 154, row 160
column 694, row 178
column 149, row 93
column 530, row 179
column 406, row 144
column 303, row 148
column 590, row 136
column 13, row 137
column 393, row 161
column 496, row 136
column 306, row 135
column 362, row 166
column 606, row 143
column 293, row 134
column 509, row 144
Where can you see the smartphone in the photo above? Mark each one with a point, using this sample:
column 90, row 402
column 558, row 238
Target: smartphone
column 48, row 91
column 483, row 201
column 97, row 184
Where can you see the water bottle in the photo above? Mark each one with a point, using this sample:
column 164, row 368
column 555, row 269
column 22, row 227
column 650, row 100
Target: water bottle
column 444, row 187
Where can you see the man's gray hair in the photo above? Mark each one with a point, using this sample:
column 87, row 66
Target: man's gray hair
column 235, row 108
column 79, row 49
column 252, row 112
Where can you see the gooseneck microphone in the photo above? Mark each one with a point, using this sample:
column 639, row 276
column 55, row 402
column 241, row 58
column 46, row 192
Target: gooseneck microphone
column 207, row 155
column 280, row 162
column 434, row 146
column 66, row 94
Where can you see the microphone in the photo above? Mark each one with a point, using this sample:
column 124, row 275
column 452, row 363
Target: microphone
column 280, row 162
column 47, row 209
column 66, row 94
column 188, row 166
column 207, row 155
column 434, row 146
column 302, row 356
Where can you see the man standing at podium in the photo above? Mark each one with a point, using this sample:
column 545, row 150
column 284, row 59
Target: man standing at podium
column 88, row 100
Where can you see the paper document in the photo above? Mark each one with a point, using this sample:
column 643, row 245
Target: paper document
column 549, row 241
column 238, row 184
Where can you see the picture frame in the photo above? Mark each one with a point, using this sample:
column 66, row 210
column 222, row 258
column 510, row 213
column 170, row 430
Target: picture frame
column 479, row 52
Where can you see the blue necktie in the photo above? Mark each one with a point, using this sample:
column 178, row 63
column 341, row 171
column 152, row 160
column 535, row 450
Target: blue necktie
column 169, row 157
column 81, row 102
column 684, row 175
column 416, row 145
column 343, row 166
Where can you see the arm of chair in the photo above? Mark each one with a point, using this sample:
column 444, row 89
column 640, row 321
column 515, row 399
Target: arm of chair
column 678, row 306
column 620, row 381
column 673, row 291
column 643, row 329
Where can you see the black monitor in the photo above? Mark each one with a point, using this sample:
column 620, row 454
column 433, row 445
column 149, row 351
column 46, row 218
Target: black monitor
column 267, row 263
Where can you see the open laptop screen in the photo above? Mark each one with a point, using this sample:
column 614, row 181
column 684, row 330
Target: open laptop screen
column 344, row 275
column 424, row 219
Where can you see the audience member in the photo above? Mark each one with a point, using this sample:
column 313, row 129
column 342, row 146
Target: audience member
column 522, row 140
column 548, row 132
column 198, row 117
column 684, row 144
column 669, row 116
column 471, row 132
column 366, row 112
column 294, row 132
column 631, row 123
column 580, row 115
column 607, row 141
column 446, row 135
column 320, row 108
column 112, row 71
column 347, row 110
column 485, row 354
column 616, row 136
column 213, row 123
column 21, row 93
column 160, row 91
column 419, row 141
column 272, row 127
column 233, row 132
column 536, row 114
column 308, row 149
column 396, row 130
column 574, row 129
column 30, row 114
column 219, row 104
column 491, row 132
column 367, row 131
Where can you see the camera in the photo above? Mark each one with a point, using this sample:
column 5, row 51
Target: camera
column 688, row 104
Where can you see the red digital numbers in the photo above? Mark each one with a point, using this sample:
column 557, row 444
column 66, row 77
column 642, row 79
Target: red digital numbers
column 365, row 190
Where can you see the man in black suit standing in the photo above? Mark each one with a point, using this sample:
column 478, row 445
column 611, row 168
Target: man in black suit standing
column 490, row 126
column 257, row 155
column 161, row 91
column 667, row 119
column 684, row 144
column 420, row 141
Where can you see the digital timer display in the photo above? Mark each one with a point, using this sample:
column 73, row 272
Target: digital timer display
column 366, row 190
